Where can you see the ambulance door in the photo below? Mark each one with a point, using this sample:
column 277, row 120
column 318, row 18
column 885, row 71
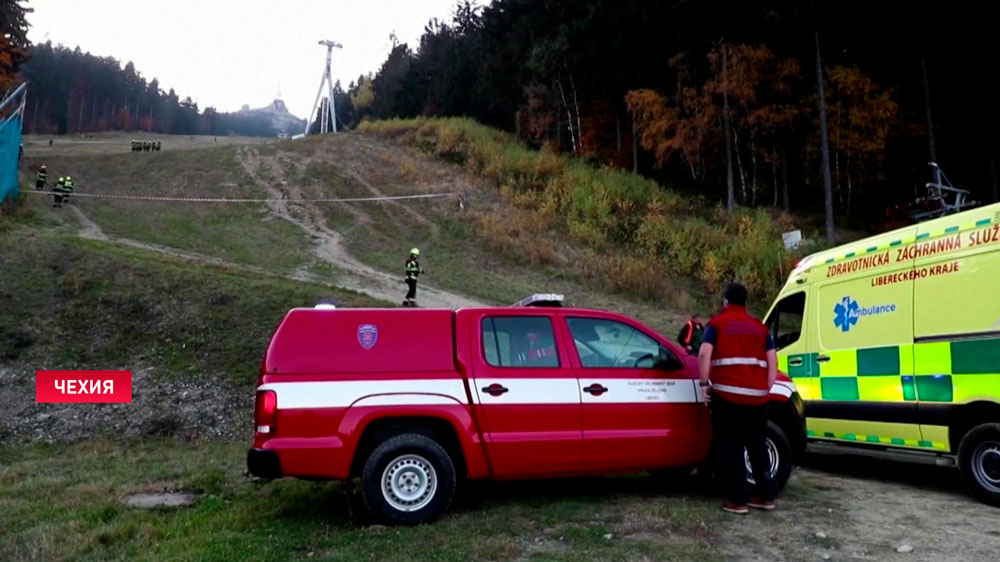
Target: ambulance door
column 788, row 326
column 956, row 319
column 862, row 312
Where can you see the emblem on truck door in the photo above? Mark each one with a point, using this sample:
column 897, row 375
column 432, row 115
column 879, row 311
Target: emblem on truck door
column 367, row 335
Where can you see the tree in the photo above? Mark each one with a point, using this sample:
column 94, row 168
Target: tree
column 727, row 124
column 13, row 41
column 76, row 91
column 862, row 118
column 831, row 234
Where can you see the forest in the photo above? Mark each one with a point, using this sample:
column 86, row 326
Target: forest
column 76, row 92
column 721, row 97
column 716, row 97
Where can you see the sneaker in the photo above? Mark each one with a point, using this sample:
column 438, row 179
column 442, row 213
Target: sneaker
column 731, row 507
column 766, row 505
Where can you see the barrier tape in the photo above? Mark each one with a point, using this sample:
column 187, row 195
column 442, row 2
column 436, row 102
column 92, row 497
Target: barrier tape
column 225, row 200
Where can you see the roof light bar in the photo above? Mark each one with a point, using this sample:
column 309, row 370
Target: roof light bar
column 541, row 299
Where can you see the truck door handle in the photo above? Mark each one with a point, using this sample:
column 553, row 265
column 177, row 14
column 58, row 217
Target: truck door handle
column 822, row 358
column 495, row 389
column 595, row 389
column 797, row 362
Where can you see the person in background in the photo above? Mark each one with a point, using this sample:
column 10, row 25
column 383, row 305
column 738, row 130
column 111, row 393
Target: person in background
column 59, row 189
column 413, row 270
column 41, row 178
column 68, row 187
column 738, row 364
column 691, row 334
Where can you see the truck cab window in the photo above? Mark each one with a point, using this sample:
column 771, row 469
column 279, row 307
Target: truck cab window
column 519, row 341
column 606, row 343
column 785, row 322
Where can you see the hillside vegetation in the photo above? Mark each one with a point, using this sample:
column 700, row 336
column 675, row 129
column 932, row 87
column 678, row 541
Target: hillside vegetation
column 637, row 236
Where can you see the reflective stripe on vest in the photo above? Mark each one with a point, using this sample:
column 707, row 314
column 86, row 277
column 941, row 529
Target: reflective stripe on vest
column 740, row 390
column 739, row 361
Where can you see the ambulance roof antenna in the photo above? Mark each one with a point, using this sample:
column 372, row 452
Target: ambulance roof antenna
column 328, row 108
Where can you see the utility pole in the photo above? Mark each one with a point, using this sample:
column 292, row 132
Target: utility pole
column 329, row 108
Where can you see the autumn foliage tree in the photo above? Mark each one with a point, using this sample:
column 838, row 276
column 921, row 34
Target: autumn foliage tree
column 13, row 41
column 762, row 105
column 862, row 118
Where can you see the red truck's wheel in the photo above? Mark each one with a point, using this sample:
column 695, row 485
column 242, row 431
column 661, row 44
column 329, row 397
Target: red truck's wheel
column 779, row 453
column 780, row 458
column 408, row 479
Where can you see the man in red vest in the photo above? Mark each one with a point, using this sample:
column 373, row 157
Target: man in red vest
column 691, row 334
column 738, row 364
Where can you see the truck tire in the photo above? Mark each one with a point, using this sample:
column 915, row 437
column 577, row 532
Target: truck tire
column 408, row 479
column 979, row 462
column 779, row 450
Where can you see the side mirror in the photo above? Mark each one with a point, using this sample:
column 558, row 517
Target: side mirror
column 667, row 361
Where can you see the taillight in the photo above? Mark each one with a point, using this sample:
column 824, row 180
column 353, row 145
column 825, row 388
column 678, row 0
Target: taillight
column 265, row 410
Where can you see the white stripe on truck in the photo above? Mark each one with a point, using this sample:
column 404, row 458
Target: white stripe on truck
column 528, row 391
column 641, row 391
column 522, row 391
column 341, row 394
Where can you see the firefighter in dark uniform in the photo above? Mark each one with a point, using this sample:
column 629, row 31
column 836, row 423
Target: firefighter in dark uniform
column 691, row 333
column 738, row 364
column 413, row 271
column 41, row 178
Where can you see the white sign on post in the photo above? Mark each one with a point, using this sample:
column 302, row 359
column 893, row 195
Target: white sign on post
column 792, row 239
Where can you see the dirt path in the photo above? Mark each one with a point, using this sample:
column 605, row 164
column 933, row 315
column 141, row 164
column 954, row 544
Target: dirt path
column 330, row 246
column 845, row 506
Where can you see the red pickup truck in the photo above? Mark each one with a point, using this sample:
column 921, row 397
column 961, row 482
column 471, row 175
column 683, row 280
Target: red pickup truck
column 411, row 401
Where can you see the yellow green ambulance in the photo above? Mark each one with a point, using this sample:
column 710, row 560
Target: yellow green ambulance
column 894, row 342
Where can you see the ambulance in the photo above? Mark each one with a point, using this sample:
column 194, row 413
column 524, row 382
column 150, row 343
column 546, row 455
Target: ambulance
column 894, row 342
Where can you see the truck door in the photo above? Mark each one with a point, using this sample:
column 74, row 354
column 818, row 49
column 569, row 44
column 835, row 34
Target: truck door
column 636, row 415
column 527, row 397
column 863, row 310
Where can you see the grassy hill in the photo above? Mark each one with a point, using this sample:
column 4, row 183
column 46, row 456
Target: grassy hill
column 185, row 294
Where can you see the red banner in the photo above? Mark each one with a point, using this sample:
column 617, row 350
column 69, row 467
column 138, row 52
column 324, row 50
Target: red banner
column 101, row 387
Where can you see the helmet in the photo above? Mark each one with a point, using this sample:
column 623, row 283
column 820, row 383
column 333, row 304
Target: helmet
column 415, row 252
column 43, row 166
column 69, row 178
column 62, row 178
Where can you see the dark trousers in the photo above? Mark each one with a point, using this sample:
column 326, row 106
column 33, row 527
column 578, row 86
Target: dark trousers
column 736, row 426
column 412, row 292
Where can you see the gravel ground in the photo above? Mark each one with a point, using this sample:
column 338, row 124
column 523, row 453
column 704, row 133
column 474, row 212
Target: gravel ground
column 204, row 408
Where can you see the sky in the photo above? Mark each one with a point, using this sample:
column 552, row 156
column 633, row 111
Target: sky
column 227, row 53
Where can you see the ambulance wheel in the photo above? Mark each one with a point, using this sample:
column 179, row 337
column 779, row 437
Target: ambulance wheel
column 979, row 462
column 408, row 479
column 779, row 455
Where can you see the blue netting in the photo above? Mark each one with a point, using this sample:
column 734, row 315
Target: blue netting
column 10, row 145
